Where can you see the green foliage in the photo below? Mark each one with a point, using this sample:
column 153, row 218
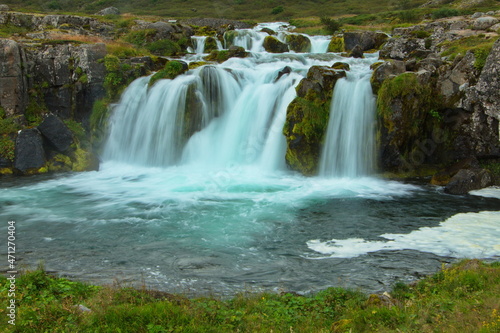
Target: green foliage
column 409, row 16
column 164, row 47
column 481, row 54
column 34, row 112
column 420, row 34
column 444, row 12
column 331, row 25
column 7, row 30
column 77, row 129
column 277, row 10
column 7, row 147
column 460, row 47
column 140, row 37
column 171, row 71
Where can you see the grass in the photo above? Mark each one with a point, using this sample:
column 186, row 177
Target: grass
column 460, row 298
column 262, row 10
column 480, row 45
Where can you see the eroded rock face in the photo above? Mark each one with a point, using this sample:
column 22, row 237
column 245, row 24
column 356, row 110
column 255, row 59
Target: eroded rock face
column 467, row 180
column 367, row 40
column 13, row 83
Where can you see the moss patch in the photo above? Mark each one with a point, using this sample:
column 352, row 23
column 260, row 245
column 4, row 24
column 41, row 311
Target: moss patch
column 336, row 45
column 171, row 71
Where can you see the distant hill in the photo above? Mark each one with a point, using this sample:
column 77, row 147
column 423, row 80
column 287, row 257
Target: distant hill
column 274, row 10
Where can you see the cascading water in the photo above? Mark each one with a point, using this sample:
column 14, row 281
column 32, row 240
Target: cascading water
column 193, row 194
column 349, row 146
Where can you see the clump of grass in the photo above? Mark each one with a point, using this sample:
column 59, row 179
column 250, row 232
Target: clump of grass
column 480, row 45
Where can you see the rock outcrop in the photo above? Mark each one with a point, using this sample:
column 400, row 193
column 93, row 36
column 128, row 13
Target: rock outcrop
column 274, row 45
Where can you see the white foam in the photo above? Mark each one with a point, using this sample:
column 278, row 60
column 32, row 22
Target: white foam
column 489, row 192
column 465, row 235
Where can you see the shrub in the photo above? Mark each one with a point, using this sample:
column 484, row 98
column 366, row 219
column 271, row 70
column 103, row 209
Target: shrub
column 277, row 10
column 444, row 12
column 7, row 147
column 331, row 25
column 164, row 47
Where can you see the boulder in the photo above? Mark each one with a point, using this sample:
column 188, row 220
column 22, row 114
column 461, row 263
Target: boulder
column 386, row 70
column 298, row 43
column 467, row 180
column 56, row 133
column 273, row 45
column 401, row 48
column 443, row 177
column 210, row 44
column 341, row 66
column 367, row 40
column 268, row 31
column 356, row 52
column 4, row 8
column 29, row 152
column 108, row 11
column 484, row 23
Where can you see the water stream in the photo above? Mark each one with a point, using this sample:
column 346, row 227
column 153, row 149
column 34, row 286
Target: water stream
column 217, row 211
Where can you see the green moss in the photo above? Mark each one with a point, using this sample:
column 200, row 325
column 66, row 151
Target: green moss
column 60, row 163
column 210, row 44
column 83, row 160
column 7, row 146
column 481, row 54
column 196, row 64
column 336, row 45
column 171, row 71
column 6, row 171
column 164, row 47
column 298, row 43
column 34, row 112
column 219, row 56
column 460, row 47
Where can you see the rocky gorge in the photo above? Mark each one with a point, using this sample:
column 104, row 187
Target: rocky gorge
column 437, row 86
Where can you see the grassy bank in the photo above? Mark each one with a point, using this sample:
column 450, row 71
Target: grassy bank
column 461, row 298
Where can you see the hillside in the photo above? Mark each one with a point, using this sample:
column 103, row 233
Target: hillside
column 252, row 10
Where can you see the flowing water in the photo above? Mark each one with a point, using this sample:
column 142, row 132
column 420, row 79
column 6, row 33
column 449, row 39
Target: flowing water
column 218, row 211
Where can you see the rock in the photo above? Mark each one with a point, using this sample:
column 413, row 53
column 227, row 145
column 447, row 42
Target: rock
column 356, row 52
column 13, row 81
column 298, row 43
column 443, row 177
column 108, row 11
column 336, row 44
column 210, row 44
column 400, row 48
column 285, row 70
column 467, row 180
column 56, row 133
column 453, row 77
column 386, row 70
column 484, row 23
column 273, row 45
column 367, row 40
column 5, row 162
column 4, row 8
column 477, row 15
column 29, row 152
column 83, row 308
column 270, row 32
column 341, row 66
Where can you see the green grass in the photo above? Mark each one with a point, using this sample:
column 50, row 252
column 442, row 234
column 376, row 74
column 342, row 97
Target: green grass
column 461, row 298
column 232, row 9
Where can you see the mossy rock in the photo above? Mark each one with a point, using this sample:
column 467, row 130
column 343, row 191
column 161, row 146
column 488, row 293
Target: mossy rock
column 229, row 37
column 336, row 45
column 341, row 66
column 210, row 44
column 6, row 171
column 83, row 160
column 172, row 69
column 60, row 163
column 223, row 55
column 298, row 43
column 274, row 45
column 196, row 64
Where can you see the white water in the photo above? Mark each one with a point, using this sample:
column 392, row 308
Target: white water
column 349, row 146
column 219, row 211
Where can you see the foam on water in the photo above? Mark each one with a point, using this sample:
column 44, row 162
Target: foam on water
column 465, row 235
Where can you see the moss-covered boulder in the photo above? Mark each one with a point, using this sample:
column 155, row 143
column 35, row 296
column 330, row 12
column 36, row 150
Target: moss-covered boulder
column 172, row 69
column 385, row 70
column 411, row 128
column 298, row 43
column 336, row 45
column 210, row 44
column 223, row 55
column 341, row 66
column 307, row 119
column 274, row 45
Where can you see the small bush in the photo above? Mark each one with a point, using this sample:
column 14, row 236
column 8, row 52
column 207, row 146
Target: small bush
column 164, row 47
column 277, row 10
column 7, row 147
column 331, row 25
column 409, row 16
column 444, row 12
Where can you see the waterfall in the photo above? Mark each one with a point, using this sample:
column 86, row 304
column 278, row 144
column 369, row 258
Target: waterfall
column 198, row 43
column 319, row 44
column 349, row 145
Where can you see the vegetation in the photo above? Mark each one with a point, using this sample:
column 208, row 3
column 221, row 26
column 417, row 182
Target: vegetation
column 461, row 298
column 171, row 71
column 480, row 45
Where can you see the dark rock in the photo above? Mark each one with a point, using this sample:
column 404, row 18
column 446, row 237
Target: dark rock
column 29, row 152
column 367, row 40
column 273, row 45
column 443, row 177
column 325, row 76
column 56, row 133
column 108, row 11
column 386, row 70
column 341, row 66
column 210, row 44
column 298, row 43
column 237, row 51
column 467, row 180
column 270, row 32
column 400, row 48
column 285, row 70
column 356, row 52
